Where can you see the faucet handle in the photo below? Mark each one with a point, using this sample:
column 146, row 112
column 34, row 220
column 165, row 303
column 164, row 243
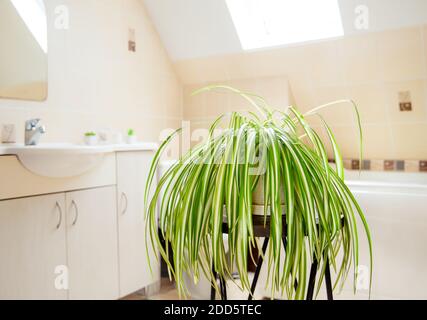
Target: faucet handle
column 31, row 124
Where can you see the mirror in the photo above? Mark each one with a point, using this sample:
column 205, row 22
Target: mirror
column 23, row 54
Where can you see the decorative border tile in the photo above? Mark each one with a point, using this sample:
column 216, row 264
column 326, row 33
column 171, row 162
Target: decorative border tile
column 400, row 165
column 389, row 165
column 366, row 165
column 386, row 165
column 412, row 166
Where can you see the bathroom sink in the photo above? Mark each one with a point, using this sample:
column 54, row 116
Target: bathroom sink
column 57, row 160
column 62, row 160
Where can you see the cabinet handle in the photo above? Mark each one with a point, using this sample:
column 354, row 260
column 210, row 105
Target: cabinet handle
column 58, row 206
column 73, row 204
column 124, row 196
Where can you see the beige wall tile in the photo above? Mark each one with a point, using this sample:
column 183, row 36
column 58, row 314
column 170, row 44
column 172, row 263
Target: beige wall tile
column 259, row 64
column 371, row 102
column 194, row 106
column 321, row 131
column 377, row 142
column 324, row 64
column 157, row 129
column 410, row 141
column 217, row 103
column 425, row 48
column 221, row 101
column 302, row 91
column 360, row 59
column 202, row 70
column 238, row 103
column 240, row 67
column 347, row 139
column 173, row 97
column 326, row 94
column 200, row 130
column 339, row 114
column 173, row 124
column 275, row 91
column 401, row 54
column 290, row 61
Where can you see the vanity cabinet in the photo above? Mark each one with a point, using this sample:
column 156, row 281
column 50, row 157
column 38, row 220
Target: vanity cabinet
column 66, row 236
column 92, row 244
column 32, row 247
column 132, row 172
column 79, row 238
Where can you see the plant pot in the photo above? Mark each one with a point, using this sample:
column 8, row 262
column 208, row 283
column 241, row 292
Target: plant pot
column 91, row 140
column 258, row 210
column 258, row 194
column 258, row 200
column 131, row 139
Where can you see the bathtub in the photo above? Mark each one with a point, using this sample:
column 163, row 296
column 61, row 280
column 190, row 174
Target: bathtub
column 395, row 206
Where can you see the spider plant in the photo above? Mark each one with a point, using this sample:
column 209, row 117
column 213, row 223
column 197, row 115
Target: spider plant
column 215, row 181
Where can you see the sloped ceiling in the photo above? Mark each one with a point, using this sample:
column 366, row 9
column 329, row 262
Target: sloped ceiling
column 201, row 28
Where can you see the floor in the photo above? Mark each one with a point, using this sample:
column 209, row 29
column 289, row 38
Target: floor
column 167, row 292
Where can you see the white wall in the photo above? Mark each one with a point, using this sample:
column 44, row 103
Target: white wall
column 95, row 82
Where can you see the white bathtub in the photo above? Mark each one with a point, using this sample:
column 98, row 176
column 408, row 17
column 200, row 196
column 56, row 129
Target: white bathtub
column 395, row 205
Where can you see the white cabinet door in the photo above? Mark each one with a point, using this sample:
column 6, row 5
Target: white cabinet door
column 92, row 244
column 33, row 248
column 132, row 171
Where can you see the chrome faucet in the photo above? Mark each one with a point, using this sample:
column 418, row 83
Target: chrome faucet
column 33, row 132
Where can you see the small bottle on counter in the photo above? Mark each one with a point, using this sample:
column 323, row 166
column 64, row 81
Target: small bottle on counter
column 8, row 133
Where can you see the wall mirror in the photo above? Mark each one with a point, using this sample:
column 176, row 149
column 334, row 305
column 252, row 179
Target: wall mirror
column 24, row 50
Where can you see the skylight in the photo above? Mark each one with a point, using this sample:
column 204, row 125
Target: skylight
column 267, row 23
column 33, row 13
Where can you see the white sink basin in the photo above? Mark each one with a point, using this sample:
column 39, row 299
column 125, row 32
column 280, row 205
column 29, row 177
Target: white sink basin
column 61, row 160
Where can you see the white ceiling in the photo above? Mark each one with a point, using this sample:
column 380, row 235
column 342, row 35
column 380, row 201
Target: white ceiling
column 200, row 28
